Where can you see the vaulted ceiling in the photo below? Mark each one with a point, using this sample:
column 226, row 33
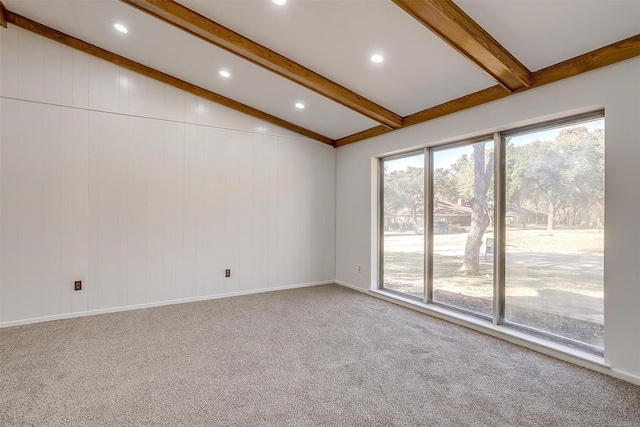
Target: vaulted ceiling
column 440, row 56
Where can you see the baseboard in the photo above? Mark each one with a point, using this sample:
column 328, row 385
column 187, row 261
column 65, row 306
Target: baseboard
column 156, row 304
column 567, row 354
column 633, row 379
column 350, row 286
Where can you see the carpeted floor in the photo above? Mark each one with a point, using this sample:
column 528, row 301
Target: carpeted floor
column 323, row 355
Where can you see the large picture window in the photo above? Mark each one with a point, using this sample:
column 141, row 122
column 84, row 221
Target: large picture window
column 403, row 225
column 508, row 227
column 462, row 206
column 554, row 247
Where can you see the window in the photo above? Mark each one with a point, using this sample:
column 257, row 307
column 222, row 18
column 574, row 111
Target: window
column 554, row 247
column 508, row 227
column 403, row 225
column 462, row 206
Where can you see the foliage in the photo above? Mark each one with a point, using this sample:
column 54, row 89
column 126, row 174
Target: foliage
column 445, row 186
column 563, row 177
column 404, row 192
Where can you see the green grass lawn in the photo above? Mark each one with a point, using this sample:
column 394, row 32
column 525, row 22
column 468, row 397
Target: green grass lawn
column 407, row 267
column 566, row 240
column 558, row 271
column 586, row 241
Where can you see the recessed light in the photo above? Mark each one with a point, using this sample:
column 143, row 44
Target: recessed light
column 376, row 59
column 299, row 105
column 224, row 73
column 121, row 28
column 279, row 2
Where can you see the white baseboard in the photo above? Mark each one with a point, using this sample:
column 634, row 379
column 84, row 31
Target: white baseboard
column 155, row 304
column 549, row 348
column 354, row 287
column 622, row 375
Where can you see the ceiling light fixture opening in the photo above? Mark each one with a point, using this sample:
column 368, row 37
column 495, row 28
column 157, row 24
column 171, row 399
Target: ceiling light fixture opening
column 279, row 2
column 120, row 28
column 299, row 105
column 376, row 58
column 225, row 74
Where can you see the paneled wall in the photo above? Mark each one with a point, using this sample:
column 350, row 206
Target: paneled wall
column 144, row 192
column 616, row 89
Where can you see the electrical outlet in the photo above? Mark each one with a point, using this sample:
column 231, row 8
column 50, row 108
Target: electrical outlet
column 77, row 285
column 359, row 269
column 227, row 273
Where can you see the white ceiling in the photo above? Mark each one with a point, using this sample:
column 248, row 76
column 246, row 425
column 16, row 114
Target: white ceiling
column 541, row 33
column 335, row 39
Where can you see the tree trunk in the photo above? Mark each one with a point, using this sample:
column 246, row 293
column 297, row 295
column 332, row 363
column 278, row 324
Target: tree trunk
column 551, row 216
column 479, row 224
column 414, row 216
column 479, row 217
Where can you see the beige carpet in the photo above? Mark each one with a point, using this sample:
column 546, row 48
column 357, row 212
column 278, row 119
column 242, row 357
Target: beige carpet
column 315, row 356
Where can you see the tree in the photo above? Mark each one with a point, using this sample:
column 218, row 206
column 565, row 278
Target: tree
column 444, row 185
column 404, row 189
column 562, row 177
column 584, row 152
column 483, row 172
column 547, row 176
column 463, row 174
column 515, row 174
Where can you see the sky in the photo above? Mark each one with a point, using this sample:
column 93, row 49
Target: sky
column 442, row 158
column 550, row 134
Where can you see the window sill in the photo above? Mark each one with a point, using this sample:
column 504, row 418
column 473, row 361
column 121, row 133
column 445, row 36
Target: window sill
column 550, row 348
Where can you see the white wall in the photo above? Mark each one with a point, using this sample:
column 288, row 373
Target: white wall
column 617, row 90
column 144, row 192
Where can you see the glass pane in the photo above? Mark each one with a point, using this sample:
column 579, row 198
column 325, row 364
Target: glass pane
column 403, row 242
column 463, row 227
column 555, row 236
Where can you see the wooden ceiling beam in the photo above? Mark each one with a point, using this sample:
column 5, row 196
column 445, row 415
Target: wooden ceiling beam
column 608, row 55
column 445, row 19
column 212, row 32
column 483, row 96
column 3, row 18
column 121, row 61
column 359, row 136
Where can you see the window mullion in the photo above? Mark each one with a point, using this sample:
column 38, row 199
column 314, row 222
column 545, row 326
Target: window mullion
column 381, row 196
column 498, row 228
column 428, row 230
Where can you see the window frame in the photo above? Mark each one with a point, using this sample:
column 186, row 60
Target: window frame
column 429, row 280
column 381, row 161
column 499, row 138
